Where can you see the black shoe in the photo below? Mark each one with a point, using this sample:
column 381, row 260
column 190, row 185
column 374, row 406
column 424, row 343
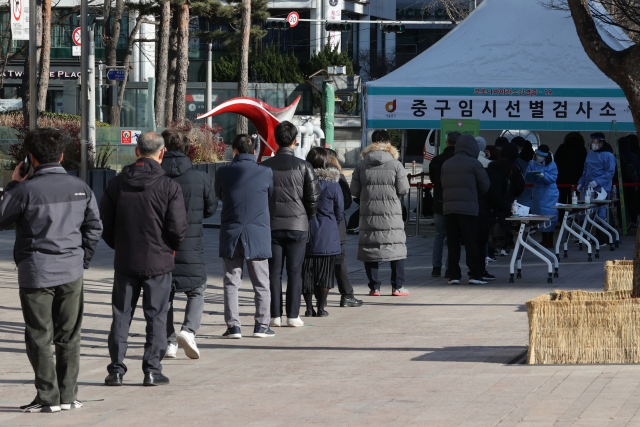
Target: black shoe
column 447, row 275
column 263, row 332
column 113, row 379
column 37, row 407
column 350, row 301
column 310, row 313
column 151, row 379
column 323, row 313
column 436, row 272
column 233, row 332
column 487, row 276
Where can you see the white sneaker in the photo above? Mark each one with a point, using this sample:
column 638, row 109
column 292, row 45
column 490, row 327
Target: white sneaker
column 76, row 404
column 454, row 282
column 187, row 341
column 172, row 351
column 295, row 323
column 477, row 282
column 275, row 322
column 504, row 252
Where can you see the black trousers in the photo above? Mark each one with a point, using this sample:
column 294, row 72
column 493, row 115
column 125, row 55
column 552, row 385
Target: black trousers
column 484, row 224
column 463, row 227
column 54, row 316
column 155, row 303
column 287, row 246
column 397, row 274
column 342, row 275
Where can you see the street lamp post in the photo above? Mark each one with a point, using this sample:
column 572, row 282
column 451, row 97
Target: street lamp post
column 84, row 91
column 33, row 65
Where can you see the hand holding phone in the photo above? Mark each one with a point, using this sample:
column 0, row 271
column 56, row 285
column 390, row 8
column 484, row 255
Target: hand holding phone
column 25, row 166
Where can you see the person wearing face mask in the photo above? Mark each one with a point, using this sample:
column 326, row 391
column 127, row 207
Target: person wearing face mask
column 599, row 168
column 542, row 172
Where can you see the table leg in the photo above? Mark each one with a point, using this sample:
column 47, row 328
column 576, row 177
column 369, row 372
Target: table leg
column 607, row 225
column 549, row 253
column 515, row 254
column 525, row 245
column 580, row 238
column 599, row 227
column 564, row 225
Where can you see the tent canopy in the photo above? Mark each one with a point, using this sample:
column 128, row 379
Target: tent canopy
column 504, row 52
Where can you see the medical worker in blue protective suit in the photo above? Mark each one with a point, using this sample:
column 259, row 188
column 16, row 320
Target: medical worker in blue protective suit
column 543, row 173
column 599, row 168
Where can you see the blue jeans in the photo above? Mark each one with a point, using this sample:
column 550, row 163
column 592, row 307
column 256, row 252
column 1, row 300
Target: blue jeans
column 438, row 240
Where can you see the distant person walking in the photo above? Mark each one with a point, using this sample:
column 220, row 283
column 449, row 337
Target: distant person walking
column 379, row 181
column 190, row 275
column 144, row 219
column 245, row 234
column 57, row 228
column 463, row 178
column 440, row 234
column 291, row 207
column 323, row 246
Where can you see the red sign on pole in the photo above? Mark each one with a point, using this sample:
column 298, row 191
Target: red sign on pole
column 293, row 18
column 77, row 36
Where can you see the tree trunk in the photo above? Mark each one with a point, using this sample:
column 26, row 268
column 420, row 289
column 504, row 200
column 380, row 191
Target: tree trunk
column 45, row 55
column 182, row 68
column 171, row 80
column 110, row 45
column 619, row 66
column 26, row 97
column 243, row 72
column 162, row 63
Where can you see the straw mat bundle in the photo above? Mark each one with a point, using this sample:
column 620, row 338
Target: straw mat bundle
column 619, row 275
column 584, row 327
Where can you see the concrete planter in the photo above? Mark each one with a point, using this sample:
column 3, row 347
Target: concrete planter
column 210, row 169
column 98, row 179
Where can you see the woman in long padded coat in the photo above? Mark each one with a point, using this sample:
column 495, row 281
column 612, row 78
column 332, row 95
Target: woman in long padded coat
column 379, row 181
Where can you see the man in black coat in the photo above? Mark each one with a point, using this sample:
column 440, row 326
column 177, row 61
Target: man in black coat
column 245, row 234
column 293, row 204
column 569, row 158
column 190, row 275
column 435, row 169
column 144, row 220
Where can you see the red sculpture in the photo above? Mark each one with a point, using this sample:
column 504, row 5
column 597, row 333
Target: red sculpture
column 263, row 116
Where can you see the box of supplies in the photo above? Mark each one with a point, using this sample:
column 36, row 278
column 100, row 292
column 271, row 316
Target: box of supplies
column 584, row 327
column 618, row 275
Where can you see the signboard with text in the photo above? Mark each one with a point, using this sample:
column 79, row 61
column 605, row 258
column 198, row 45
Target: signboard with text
column 118, row 75
column 20, row 19
column 465, row 127
column 498, row 108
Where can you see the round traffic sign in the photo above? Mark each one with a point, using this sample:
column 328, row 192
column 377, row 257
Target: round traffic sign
column 16, row 8
column 77, row 36
column 293, row 19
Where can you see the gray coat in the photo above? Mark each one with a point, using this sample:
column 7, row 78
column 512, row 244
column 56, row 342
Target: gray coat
column 379, row 180
column 57, row 226
column 463, row 178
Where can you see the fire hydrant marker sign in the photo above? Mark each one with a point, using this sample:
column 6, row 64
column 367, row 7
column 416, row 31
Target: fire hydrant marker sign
column 20, row 19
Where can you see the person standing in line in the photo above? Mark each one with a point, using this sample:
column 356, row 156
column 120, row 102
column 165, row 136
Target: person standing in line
column 630, row 168
column 318, row 269
column 543, row 173
column 482, row 156
column 435, row 171
column 144, row 220
column 190, row 275
column 569, row 158
column 599, row 169
column 379, row 181
column 293, row 204
column 347, row 298
column 57, row 229
column 463, row 179
column 525, row 155
column 245, row 234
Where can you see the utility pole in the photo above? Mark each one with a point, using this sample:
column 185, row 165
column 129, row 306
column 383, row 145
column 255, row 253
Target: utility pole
column 208, row 105
column 84, row 85
column 33, row 65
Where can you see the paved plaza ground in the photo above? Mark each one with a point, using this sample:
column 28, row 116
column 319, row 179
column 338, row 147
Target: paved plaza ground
column 438, row 357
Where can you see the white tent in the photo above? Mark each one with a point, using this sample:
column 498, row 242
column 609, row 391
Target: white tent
column 512, row 64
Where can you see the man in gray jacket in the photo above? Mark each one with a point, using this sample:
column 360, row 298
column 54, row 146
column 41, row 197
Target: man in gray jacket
column 57, row 229
column 379, row 181
column 463, row 177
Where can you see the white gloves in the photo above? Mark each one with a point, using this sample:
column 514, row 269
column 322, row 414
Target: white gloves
column 579, row 187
